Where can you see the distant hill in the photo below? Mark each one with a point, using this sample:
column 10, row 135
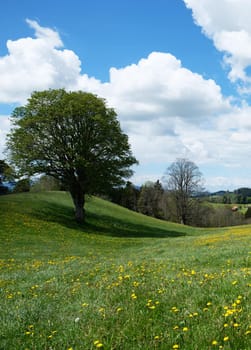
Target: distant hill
column 102, row 217
column 219, row 193
column 243, row 191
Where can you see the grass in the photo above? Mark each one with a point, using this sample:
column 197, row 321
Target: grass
column 242, row 208
column 121, row 281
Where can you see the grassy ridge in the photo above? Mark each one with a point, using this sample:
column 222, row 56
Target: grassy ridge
column 121, row 281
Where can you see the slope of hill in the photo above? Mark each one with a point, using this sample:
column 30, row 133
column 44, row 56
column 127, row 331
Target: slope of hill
column 120, row 281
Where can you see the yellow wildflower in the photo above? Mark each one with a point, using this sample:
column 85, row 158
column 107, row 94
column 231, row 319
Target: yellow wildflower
column 98, row 344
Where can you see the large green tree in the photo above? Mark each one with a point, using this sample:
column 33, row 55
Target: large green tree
column 74, row 137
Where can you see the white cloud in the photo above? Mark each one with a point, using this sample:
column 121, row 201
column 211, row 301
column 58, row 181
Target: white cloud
column 36, row 64
column 228, row 24
column 159, row 86
column 51, row 36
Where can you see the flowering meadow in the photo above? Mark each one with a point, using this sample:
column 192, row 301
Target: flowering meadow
column 121, row 281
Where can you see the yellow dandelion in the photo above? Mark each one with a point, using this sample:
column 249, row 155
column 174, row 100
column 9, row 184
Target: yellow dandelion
column 98, row 344
column 133, row 296
column 214, row 342
column 152, row 307
column 176, row 346
column 226, row 338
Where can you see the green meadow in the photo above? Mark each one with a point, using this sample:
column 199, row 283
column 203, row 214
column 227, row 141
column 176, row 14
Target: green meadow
column 121, row 281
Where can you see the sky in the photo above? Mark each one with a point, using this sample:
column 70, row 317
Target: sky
column 177, row 72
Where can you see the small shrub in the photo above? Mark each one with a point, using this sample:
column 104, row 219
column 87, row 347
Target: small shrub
column 22, row 186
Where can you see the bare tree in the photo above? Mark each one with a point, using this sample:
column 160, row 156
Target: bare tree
column 183, row 180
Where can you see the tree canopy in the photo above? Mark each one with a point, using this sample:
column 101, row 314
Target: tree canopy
column 74, row 137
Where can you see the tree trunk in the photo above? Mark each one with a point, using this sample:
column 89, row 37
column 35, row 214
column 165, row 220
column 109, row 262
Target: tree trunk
column 79, row 213
column 78, row 198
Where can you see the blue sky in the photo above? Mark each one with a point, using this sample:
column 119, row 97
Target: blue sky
column 176, row 71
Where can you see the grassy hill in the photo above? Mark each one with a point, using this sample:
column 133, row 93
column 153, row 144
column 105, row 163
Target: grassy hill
column 121, row 281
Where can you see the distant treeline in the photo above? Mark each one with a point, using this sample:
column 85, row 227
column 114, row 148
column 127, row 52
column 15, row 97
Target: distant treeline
column 240, row 196
column 153, row 200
